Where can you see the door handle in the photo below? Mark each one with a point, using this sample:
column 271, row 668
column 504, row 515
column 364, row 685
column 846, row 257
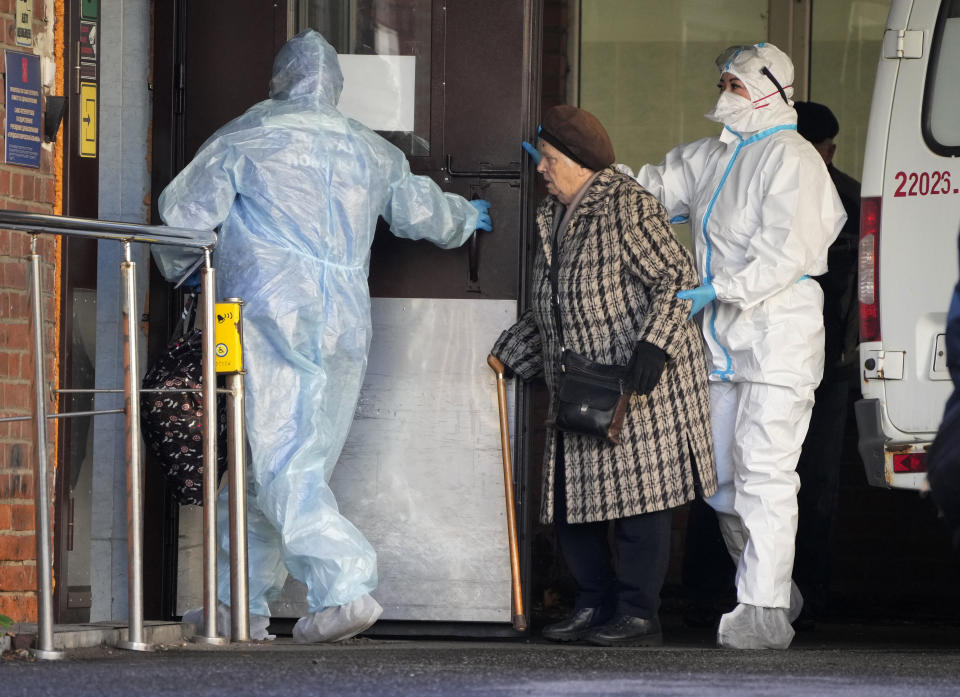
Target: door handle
column 482, row 173
column 76, row 72
column 473, row 258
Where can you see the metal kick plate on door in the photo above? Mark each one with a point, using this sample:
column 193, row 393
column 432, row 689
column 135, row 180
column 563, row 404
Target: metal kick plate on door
column 421, row 473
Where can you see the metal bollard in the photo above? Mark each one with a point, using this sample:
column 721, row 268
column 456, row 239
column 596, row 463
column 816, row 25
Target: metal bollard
column 44, row 647
column 237, row 439
column 131, row 393
column 208, row 287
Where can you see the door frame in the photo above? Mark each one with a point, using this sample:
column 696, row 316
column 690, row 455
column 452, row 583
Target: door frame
column 78, row 269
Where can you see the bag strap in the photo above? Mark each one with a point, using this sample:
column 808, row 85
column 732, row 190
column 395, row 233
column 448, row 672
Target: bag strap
column 188, row 318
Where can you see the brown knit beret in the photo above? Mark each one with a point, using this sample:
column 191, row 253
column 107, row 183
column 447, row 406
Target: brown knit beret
column 579, row 135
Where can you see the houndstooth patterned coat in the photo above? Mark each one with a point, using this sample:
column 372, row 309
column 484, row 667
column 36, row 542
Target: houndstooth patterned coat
column 620, row 269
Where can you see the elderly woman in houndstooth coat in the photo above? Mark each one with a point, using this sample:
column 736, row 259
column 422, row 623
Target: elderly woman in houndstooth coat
column 618, row 270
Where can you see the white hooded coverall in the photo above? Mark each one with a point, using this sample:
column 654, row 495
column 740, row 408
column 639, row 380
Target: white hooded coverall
column 763, row 212
column 296, row 189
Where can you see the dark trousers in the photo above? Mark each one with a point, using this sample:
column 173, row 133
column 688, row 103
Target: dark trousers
column 819, row 471
column 629, row 584
column 708, row 571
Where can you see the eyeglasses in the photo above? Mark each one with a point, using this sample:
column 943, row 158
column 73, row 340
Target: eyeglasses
column 728, row 54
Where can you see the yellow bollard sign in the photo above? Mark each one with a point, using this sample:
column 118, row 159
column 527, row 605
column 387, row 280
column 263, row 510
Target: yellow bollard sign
column 227, row 337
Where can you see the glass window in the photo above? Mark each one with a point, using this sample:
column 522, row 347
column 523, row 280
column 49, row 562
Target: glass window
column 383, row 28
column 78, row 453
column 942, row 98
column 845, row 41
column 647, row 69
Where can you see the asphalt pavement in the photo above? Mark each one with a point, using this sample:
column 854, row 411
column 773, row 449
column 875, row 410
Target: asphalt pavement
column 866, row 660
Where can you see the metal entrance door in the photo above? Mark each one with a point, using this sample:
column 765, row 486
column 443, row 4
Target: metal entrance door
column 454, row 85
column 421, row 474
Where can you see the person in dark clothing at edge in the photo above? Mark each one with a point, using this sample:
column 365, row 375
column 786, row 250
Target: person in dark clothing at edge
column 943, row 457
column 819, row 464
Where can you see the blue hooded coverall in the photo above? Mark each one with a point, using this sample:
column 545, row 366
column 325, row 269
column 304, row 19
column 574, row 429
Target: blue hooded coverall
column 296, row 188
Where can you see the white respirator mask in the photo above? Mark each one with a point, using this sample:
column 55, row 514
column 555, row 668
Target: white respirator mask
column 732, row 110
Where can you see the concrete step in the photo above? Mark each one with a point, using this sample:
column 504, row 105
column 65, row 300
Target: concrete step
column 79, row 636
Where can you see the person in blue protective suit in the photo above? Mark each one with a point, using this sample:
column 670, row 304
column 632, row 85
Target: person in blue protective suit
column 763, row 213
column 296, row 189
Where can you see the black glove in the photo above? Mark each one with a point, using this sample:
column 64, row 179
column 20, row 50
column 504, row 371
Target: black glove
column 646, row 366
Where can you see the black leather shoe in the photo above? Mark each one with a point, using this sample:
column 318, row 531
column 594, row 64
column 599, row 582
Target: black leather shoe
column 572, row 628
column 624, row 630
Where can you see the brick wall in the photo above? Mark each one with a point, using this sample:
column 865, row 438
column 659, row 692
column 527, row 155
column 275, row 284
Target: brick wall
column 33, row 190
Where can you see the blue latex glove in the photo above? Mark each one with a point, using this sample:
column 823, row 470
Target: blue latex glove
column 532, row 152
column 701, row 297
column 483, row 222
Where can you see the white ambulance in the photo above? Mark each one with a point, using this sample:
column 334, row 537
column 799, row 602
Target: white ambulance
column 910, row 218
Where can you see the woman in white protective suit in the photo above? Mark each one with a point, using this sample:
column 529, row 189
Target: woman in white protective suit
column 296, row 189
column 763, row 212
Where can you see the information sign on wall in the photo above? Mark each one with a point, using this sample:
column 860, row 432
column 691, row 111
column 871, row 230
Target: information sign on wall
column 24, row 106
column 89, row 9
column 24, row 22
column 88, row 41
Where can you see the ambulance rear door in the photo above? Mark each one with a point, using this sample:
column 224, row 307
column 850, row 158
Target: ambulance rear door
column 911, row 212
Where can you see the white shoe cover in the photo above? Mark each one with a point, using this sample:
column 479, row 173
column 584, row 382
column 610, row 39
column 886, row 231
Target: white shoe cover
column 337, row 623
column 796, row 603
column 258, row 628
column 258, row 623
column 752, row 627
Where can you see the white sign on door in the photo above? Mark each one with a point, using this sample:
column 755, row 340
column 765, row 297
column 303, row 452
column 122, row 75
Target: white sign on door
column 378, row 91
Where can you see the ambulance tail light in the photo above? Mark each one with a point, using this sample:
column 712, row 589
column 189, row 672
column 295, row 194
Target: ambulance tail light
column 869, row 269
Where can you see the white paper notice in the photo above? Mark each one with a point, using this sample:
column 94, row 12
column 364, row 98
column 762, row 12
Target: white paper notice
column 378, row 90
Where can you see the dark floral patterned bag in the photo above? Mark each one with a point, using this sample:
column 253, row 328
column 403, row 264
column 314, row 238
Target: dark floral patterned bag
column 172, row 423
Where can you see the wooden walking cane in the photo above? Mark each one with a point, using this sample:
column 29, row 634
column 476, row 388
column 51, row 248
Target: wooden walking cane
column 519, row 619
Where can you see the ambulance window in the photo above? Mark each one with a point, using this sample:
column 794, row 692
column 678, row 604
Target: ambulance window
column 386, row 44
column 942, row 99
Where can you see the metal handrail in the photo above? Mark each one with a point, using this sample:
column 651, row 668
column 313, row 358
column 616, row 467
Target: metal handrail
column 148, row 390
column 126, row 233
column 106, row 229
column 63, row 415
